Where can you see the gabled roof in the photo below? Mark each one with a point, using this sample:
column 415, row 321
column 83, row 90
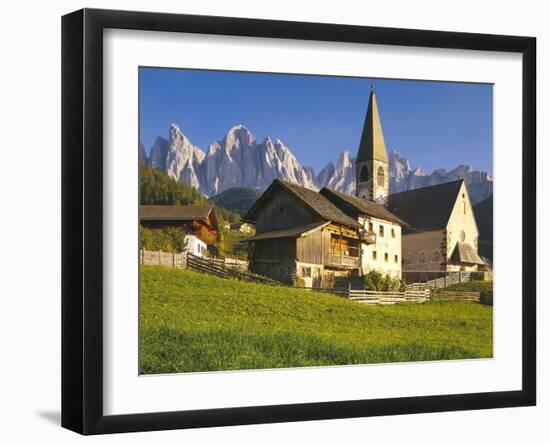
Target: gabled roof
column 464, row 253
column 355, row 207
column 317, row 203
column 175, row 212
column 372, row 145
column 295, row 231
column 426, row 209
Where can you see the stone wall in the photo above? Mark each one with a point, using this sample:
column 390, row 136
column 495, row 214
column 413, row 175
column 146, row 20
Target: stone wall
column 283, row 271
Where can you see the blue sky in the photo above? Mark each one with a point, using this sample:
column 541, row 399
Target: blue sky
column 433, row 124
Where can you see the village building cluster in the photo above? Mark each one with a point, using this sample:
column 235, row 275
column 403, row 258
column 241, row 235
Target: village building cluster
column 313, row 238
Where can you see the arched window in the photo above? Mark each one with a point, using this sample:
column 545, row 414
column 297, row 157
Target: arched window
column 364, row 176
column 380, row 176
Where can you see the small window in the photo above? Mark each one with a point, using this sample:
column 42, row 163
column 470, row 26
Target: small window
column 306, row 271
column 380, row 176
column 381, row 231
column 395, row 259
column 392, row 233
column 374, row 255
column 282, row 209
column 422, row 258
column 364, row 174
column 371, row 227
column 386, row 257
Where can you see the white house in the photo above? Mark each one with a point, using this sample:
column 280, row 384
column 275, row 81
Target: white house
column 195, row 245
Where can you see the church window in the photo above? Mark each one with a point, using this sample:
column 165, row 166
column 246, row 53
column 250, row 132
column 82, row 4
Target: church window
column 380, row 178
column 364, row 174
column 395, row 259
column 464, row 207
column 462, row 236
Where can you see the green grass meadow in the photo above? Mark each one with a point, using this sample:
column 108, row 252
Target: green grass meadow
column 197, row 322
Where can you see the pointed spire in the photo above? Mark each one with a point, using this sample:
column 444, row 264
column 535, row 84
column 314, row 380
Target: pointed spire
column 372, row 146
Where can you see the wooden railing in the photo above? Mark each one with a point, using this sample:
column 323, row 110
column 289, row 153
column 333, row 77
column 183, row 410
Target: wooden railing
column 161, row 258
column 344, row 260
column 452, row 278
column 457, row 296
column 389, row 298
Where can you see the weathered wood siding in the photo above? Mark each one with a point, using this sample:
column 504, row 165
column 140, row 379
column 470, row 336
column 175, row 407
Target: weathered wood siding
column 283, row 211
column 275, row 250
column 310, row 248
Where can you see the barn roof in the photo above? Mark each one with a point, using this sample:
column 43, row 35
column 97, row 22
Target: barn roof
column 295, row 231
column 175, row 212
column 357, row 206
column 426, row 209
column 312, row 199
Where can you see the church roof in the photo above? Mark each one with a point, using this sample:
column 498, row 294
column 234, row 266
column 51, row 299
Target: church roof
column 464, row 253
column 426, row 209
column 356, row 206
column 320, row 205
column 372, row 145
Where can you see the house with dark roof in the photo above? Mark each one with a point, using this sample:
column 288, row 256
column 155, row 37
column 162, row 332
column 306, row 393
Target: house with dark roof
column 302, row 237
column 380, row 232
column 442, row 233
column 197, row 220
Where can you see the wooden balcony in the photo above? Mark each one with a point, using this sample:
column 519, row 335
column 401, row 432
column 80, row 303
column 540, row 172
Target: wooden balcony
column 344, row 260
column 368, row 237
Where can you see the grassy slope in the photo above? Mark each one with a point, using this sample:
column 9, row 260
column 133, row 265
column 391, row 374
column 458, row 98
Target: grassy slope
column 234, row 244
column 196, row 322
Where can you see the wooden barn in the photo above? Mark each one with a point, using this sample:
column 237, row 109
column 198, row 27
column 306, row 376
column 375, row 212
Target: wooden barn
column 197, row 220
column 301, row 237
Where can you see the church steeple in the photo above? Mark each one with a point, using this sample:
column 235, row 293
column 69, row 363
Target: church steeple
column 372, row 140
column 372, row 167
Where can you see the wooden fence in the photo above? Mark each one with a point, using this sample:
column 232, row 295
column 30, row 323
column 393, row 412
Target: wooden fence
column 452, row 278
column 389, row 298
column 161, row 258
column 179, row 260
column 457, row 296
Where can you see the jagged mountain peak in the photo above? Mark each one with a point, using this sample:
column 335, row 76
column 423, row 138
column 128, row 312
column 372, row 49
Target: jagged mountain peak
column 238, row 161
column 238, row 135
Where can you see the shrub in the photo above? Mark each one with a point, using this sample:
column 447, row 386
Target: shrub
column 375, row 281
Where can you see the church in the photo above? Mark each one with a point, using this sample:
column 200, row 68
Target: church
column 312, row 239
column 441, row 234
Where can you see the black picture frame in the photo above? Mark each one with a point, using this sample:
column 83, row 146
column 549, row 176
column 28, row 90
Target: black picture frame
column 82, row 215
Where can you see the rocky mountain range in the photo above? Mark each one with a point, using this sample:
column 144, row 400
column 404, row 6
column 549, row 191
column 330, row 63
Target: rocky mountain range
column 240, row 161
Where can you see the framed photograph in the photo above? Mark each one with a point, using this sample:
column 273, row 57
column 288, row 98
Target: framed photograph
column 269, row 221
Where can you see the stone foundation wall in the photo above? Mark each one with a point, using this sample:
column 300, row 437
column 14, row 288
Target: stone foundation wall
column 285, row 272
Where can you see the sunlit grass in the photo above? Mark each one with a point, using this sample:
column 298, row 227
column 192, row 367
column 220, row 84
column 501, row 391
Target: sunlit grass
column 196, row 322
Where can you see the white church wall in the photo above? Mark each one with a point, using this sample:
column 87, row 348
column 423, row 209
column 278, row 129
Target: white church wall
column 462, row 227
